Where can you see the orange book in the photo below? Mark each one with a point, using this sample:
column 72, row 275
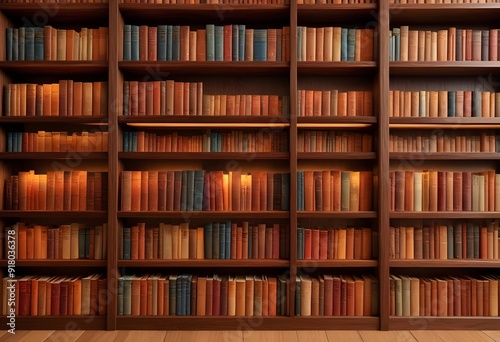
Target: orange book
column 87, row 98
column 152, row 44
column 201, row 41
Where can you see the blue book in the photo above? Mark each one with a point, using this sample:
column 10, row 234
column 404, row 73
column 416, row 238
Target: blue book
column 162, row 42
column 391, row 48
column 235, row 44
column 19, row 139
column 343, row 44
column 199, row 182
column 120, row 296
column 134, row 43
column 300, row 243
column 216, row 240
column 213, row 142
column 210, row 42
column 241, row 42
column 172, row 294
column 185, row 291
column 222, row 241
column 219, row 43
column 351, row 44
column 9, row 142
column 126, row 145
column 15, row 146
column 9, row 47
column 134, row 141
column 228, row 239
column 127, row 42
column 452, row 98
column 178, row 295
column 22, row 43
column 170, row 30
column 260, row 45
column 30, row 44
column 190, row 191
column 219, row 142
column 15, row 45
column 38, row 43
column 189, row 279
column 126, row 243
column 176, row 43
column 207, row 237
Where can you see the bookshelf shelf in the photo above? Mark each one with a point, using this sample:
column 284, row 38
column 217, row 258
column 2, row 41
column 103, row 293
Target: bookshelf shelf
column 54, row 155
column 205, row 155
column 55, row 67
column 335, row 121
column 444, row 215
column 247, row 263
column 336, row 68
column 453, row 263
column 56, row 322
column 58, row 12
column 162, row 69
column 48, row 263
column 224, row 322
column 337, row 263
column 337, row 214
column 88, row 120
column 336, row 155
column 444, row 323
column 444, row 123
column 214, row 215
column 443, row 156
column 466, row 68
column 340, row 12
column 67, row 214
column 205, row 121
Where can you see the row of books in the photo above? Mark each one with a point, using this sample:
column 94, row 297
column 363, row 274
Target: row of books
column 327, row 44
column 66, row 98
column 67, row 241
column 187, row 98
column 195, row 190
column 444, row 142
column 57, row 190
column 51, row 44
column 460, row 103
column 444, row 191
column 333, row 190
column 57, row 141
column 334, row 141
column 41, row 295
column 335, row 103
column 213, row 240
column 210, row 141
column 334, row 295
column 214, row 2
column 336, row 243
column 450, row 44
column 214, row 43
column 456, row 240
column 444, row 296
column 193, row 295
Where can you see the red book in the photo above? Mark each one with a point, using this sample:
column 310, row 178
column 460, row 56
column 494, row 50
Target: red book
column 323, row 244
column 457, row 191
column 228, row 43
column 337, row 296
column 315, row 244
column 143, row 43
column 307, row 244
column 216, row 293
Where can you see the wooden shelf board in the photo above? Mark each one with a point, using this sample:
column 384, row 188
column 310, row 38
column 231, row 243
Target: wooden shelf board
column 163, row 68
column 467, row 68
column 53, row 155
column 443, row 156
column 205, row 13
column 454, row 263
column 55, row 67
column 205, row 155
column 444, row 323
column 215, row 215
column 249, row 263
column 337, row 263
column 338, row 12
column 205, row 120
column 57, row 263
column 58, row 322
column 54, row 213
column 444, row 214
column 66, row 13
column 444, row 123
column 337, row 214
column 230, row 323
column 336, row 68
column 320, row 121
column 93, row 120
column 336, row 155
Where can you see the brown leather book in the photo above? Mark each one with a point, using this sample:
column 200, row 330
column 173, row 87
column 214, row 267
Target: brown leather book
column 400, row 181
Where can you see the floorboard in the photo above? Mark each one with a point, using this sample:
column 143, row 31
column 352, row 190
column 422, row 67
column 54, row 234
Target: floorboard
column 426, row 335
column 27, row 336
column 203, row 336
column 465, row 336
column 312, row 336
column 270, row 336
column 343, row 335
column 384, row 336
column 65, row 336
column 495, row 335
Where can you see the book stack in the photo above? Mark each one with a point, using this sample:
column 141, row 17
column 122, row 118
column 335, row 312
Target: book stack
column 196, row 190
column 334, row 44
column 460, row 103
column 51, row 44
column 57, row 142
column 210, row 141
column 334, row 295
column 333, row 190
column 65, row 98
column 213, row 43
column 334, row 141
column 68, row 241
column 335, row 103
column 456, row 240
column 444, row 296
column 192, row 295
column 444, row 191
column 57, row 295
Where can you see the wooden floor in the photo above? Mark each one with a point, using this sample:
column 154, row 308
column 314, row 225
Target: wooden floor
column 251, row 336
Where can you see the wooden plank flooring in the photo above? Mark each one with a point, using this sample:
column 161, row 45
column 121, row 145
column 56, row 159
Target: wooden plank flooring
column 250, row 336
